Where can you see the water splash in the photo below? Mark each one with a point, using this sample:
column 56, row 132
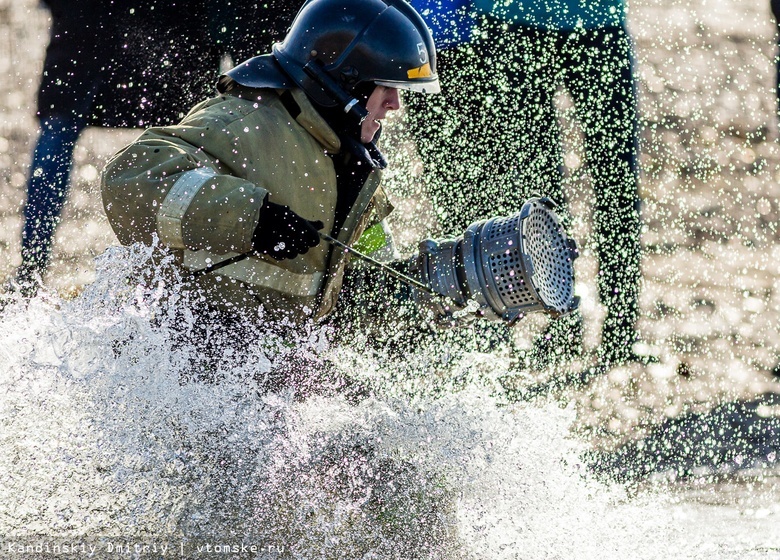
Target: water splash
column 105, row 437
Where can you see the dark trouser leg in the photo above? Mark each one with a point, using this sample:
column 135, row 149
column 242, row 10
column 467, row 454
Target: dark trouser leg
column 540, row 170
column 469, row 137
column 601, row 82
column 460, row 137
column 537, row 73
column 492, row 139
column 46, row 191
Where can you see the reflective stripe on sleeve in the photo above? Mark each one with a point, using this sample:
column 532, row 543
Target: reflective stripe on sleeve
column 175, row 205
column 257, row 272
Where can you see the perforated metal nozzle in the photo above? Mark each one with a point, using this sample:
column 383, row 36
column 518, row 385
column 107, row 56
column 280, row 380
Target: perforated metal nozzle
column 509, row 265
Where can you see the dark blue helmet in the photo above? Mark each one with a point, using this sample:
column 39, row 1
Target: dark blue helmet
column 339, row 44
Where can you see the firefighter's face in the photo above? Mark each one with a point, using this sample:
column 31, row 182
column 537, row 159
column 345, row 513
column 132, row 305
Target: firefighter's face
column 382, row 100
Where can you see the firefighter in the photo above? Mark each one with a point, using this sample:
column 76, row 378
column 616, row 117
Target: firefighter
column 241, row 188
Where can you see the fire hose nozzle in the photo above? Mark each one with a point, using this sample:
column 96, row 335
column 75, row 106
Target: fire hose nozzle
column 509, row 266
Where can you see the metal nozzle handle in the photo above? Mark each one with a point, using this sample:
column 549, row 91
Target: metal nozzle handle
column 388, row 269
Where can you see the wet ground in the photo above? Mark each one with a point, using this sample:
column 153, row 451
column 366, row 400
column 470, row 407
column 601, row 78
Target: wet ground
column 711, row 168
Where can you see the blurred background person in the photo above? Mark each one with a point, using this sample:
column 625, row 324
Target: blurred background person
column 127, row 63
column 495, row 129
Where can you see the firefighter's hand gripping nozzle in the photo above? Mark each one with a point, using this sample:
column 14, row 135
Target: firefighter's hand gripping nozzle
column 501, row 268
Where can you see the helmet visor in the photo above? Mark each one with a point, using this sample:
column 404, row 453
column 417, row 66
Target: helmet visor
column 419, row 86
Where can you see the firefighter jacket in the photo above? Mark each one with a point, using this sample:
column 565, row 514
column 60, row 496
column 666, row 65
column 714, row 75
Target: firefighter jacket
column 199, row 186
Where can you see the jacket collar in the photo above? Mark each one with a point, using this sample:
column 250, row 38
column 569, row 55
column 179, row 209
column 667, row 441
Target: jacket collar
column 307, row 116
column 311, row 120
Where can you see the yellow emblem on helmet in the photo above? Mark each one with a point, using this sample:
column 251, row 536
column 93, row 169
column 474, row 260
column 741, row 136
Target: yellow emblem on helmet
column 423, row 71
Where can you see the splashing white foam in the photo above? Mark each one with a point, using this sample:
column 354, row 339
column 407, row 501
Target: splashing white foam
column 101, row 438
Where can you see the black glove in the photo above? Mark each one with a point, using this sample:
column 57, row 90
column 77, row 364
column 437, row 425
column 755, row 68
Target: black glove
column 283, row 234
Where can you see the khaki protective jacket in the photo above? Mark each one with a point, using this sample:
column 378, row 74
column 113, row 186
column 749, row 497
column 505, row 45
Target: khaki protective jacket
column 199, row 187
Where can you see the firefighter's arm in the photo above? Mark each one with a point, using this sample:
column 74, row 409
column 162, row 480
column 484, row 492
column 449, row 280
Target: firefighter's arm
column 160, row 186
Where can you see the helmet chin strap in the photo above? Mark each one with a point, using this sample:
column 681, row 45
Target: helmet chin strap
column 346, row 102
